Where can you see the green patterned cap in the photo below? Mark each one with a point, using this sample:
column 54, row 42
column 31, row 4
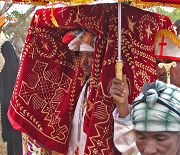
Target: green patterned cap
column 157, row 108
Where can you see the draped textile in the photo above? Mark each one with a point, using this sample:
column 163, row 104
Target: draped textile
column 49, row 78
column 7, row 82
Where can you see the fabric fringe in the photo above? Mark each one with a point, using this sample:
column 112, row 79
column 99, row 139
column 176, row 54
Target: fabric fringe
column 141, row 4
column 54, row 21
column 45, row 2
column 35, row 2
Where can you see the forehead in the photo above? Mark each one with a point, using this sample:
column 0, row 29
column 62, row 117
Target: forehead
column 161, row 133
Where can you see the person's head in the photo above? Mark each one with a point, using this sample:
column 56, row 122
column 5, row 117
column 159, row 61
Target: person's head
column 156, row 118
column 86, row 62
column 167, row 50
column 83, row 42
column 158, row 143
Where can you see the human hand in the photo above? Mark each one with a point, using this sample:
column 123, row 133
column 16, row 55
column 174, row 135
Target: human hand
column 119, row 90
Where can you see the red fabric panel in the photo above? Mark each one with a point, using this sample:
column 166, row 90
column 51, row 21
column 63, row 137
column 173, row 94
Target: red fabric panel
column 48, row 82
column 139, row 66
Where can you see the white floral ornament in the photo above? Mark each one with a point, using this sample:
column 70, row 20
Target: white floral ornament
column 36, row 150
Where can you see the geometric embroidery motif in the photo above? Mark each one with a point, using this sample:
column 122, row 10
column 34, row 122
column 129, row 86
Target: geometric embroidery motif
column 47, row 94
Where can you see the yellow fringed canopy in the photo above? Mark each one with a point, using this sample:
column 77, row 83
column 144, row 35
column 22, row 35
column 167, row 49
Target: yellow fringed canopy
column 150, row 3
column 44, row 2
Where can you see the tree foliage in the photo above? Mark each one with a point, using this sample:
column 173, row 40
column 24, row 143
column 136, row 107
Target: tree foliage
column 14, row 14
column 175, row 15
column 17, row 25
column 172, row 13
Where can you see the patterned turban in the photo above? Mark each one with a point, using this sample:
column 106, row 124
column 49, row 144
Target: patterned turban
column 157, row 108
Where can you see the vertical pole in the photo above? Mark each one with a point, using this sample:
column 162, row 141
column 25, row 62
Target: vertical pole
column 119, row 63
column 119, row 31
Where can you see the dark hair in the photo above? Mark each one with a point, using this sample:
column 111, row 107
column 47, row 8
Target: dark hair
column 178, row 30
column 177, row 25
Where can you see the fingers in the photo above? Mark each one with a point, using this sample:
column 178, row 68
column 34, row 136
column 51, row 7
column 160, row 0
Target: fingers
column 119, row 91
column 124, row 78
column 116, row 98
column 117, row 87
column 116, row 92
column 117, row 82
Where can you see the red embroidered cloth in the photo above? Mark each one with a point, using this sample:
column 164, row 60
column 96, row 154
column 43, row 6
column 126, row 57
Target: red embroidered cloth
column 48, row 82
